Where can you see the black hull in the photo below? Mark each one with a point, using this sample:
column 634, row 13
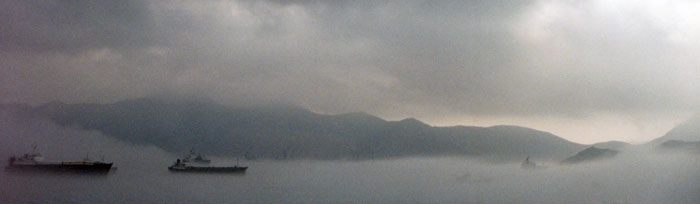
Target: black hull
column 95, row 168
column 190, row 169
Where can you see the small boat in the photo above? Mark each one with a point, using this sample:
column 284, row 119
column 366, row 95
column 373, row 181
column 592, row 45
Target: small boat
column 34, row 162
column 180, row 166
column 527, row 164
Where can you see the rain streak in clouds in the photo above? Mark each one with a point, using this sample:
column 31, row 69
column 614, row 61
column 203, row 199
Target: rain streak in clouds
column 572, row 68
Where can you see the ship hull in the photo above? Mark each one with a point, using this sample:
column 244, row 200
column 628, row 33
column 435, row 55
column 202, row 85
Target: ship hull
column 95, row 168
column 193, row 169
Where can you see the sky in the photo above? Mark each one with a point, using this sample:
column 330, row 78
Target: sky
column 587, row 71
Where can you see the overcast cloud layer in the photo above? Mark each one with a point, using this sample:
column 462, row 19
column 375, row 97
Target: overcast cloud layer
column 545, row 64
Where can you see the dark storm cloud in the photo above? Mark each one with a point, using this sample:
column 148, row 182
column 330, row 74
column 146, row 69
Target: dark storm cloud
column 70, row 26
column 392, row 58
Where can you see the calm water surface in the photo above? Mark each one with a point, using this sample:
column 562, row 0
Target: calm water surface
column 413, row 180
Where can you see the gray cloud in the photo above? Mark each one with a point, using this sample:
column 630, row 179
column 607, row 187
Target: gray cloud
column 392, row 58
column 72, row 26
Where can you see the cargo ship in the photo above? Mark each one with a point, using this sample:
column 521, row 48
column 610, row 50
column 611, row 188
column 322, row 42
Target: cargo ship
column 180, row 166
column 34, row 162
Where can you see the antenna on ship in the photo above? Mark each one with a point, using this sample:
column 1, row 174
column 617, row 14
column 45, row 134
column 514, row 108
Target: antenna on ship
column 34, row 148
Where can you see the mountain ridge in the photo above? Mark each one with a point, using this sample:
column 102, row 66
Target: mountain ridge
column 688, row 130
column 589, row 154
column 290, row 132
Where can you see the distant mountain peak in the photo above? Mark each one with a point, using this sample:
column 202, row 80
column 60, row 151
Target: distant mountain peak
column 360, row 115
column 412, row 121
column 511, row 127
column 614, row 145
column 590, row 154
column 689, row 130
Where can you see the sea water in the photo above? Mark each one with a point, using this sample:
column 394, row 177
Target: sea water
column 667, row 179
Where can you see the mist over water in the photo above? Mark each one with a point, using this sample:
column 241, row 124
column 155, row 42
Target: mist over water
column 386, row 96
column 637, row 175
